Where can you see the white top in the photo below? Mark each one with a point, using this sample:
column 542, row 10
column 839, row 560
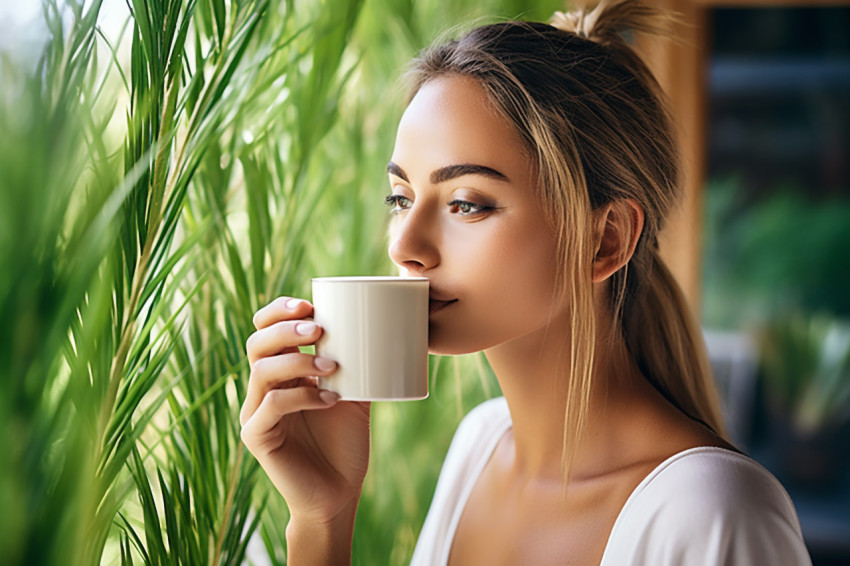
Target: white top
column 704, row 506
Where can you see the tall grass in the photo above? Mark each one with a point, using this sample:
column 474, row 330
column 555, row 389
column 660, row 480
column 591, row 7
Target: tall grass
column 157, row 186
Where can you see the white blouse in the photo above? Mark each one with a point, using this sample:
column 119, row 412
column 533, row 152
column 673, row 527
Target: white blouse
column 702, row 507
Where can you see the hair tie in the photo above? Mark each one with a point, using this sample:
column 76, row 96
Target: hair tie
column 571, row 22
column 607, row 23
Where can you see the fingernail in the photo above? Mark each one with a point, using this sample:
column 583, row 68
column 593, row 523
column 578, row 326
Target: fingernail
column 292, row 304
column 328, row 397
column 305, row 328
column 324, row 364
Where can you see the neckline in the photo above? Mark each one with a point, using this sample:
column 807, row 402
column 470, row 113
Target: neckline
column 499, row 432
column 495, row 436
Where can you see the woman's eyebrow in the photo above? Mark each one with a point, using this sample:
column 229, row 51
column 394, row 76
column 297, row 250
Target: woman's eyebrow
column 450, row 172
column 394, row 169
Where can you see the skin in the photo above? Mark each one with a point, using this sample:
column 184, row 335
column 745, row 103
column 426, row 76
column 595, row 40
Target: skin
column 479, row 234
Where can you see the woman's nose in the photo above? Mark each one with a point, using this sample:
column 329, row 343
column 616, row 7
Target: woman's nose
column 413, row 245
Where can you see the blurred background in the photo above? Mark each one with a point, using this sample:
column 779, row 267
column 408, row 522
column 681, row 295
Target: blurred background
column 776, row 248
column 169, row 166
column 761, row 246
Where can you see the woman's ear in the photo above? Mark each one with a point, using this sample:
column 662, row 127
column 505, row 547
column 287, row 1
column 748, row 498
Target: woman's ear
column 618, row 226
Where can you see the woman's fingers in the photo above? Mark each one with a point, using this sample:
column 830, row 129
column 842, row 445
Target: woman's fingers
column 282, row 308
column 279, row 337
column 261, row 433
column 278, row 372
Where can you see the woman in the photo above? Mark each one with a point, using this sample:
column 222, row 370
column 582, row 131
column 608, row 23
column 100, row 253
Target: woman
column 532, row 172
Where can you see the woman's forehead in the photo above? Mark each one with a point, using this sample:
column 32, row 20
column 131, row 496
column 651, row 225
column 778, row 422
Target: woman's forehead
column 451, row 120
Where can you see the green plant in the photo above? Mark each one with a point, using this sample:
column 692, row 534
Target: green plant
column 775, row 255
column 96, row 305
column 805, row 362
column 56, row 282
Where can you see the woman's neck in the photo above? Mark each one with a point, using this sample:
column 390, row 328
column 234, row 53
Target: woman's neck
column 534, row 373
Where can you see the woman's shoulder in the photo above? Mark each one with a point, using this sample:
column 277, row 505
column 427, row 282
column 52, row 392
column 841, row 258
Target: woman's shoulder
column 484, row 416
column 707, row 505
column 713, row 482
column 475, row 438
column 477, row 435
column 473, row 443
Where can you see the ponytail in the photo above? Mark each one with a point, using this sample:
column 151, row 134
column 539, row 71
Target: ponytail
column 658, row 327
column 666, row 342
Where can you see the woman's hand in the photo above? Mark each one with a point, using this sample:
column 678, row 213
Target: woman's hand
column 314, row 449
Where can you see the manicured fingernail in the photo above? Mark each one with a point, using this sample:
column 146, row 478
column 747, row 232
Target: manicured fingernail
column 292, row 304
column 305, row 328
column 324, row 364
column 328, row 397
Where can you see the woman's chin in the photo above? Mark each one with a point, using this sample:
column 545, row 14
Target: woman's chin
column 447, row 350
column 451, row 346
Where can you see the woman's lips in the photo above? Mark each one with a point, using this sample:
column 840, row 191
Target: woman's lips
column 435, row 305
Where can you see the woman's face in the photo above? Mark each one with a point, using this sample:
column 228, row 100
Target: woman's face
column 466, row 216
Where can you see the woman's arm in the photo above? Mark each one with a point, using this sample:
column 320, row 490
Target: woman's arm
column 321, row 543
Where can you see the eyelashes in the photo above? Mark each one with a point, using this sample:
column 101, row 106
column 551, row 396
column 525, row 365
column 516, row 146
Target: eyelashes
column 397, row 202
column 466, row 208
column 400, row 203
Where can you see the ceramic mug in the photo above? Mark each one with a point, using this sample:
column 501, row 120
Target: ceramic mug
column 376, row 329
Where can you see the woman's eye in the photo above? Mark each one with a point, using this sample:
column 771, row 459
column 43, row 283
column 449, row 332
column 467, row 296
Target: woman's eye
column 466, row 208
column 398, row 202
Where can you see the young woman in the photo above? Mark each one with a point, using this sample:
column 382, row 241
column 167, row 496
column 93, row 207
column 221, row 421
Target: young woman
column 532, row 172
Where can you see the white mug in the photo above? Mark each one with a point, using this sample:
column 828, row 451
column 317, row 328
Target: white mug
column 376, row 330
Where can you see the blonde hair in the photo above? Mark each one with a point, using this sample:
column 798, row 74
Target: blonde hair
column 594, row 121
